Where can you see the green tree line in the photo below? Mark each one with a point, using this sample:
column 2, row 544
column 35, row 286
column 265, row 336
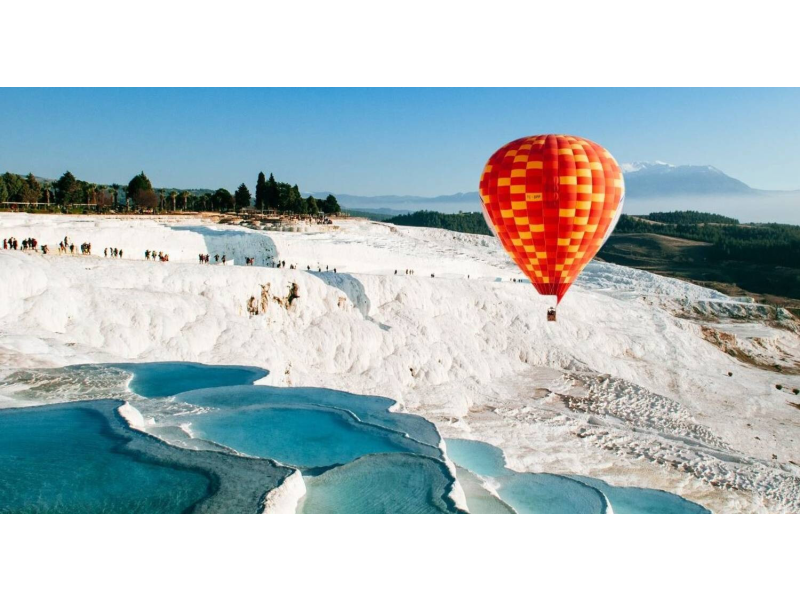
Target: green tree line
column 18, row 190
column 690, row 217
column 69, row 194
column 465, row 222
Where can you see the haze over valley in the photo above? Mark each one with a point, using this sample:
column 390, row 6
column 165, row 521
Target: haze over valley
column 649, row 187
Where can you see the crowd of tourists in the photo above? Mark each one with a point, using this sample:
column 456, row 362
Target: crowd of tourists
column 66, row 246
column 32, row 244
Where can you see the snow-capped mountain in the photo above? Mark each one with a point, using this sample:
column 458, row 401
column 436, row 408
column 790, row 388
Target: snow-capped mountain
column 638, row 166
column 660, row 186
column 659, row 179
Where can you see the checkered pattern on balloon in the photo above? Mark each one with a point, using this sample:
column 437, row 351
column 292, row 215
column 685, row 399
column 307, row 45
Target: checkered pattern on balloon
column 552, row 200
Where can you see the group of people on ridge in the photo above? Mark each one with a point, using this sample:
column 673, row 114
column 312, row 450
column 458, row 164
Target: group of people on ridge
column 31, row 243
column 319, row 268
column 12, row 244
column 151, row 255
column 65, row 246
column 206, row 259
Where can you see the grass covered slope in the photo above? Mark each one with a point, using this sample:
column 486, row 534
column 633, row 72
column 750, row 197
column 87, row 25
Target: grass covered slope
column 756, row 243
column 752, row 259
column 630, row 385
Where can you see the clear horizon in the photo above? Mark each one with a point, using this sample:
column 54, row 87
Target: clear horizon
column 380, row 142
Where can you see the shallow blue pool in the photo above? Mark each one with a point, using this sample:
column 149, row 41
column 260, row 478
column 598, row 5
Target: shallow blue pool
column 636, row 500
column 68, row 459
column 298, row 436
column 82, row 457
column 372, row 410
column 356, row 455
column 381, row 484
column 307, row 427
column 547, row 493
column 527, row 493
column 155, row 380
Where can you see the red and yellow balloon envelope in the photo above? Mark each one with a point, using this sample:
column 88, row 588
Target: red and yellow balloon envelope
column 552, row 200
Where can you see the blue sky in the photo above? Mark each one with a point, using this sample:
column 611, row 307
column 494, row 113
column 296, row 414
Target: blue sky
column 383, row 141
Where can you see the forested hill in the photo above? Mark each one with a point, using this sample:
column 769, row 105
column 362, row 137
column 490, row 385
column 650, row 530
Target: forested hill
column 763, row 243
column 465, row 222
column 734, row 258
column 689, row 217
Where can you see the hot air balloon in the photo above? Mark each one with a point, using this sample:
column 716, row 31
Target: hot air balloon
column 552, row 200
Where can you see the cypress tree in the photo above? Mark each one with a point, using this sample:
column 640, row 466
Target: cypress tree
column 295, row 203
column 273, row 193
column 261, row 192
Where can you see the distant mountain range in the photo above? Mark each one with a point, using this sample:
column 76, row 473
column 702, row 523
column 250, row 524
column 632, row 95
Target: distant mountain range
column 644, row 180
column 649, row 186
column 396, row 205
column 658, row 186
